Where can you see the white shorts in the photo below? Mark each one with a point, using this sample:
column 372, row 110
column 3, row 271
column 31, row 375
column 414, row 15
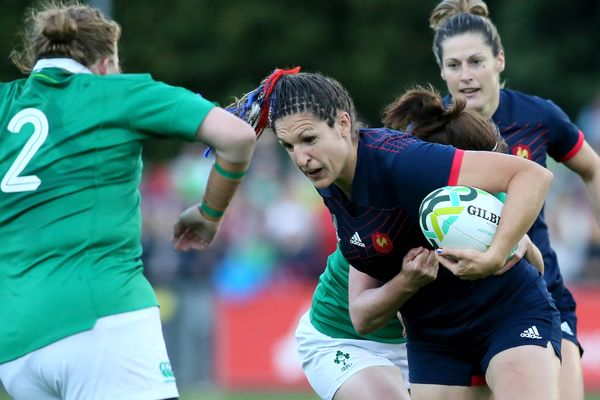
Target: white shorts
column 328, row 362
column 122, row 357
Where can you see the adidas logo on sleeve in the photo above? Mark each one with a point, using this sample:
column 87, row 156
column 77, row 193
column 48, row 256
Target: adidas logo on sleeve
column 531, row 333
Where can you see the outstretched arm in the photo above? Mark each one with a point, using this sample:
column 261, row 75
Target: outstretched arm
column 233, row 141
column 373, row 304
column 586, row 163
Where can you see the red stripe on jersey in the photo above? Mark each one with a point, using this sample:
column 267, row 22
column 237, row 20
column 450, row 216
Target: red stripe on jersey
column 456, row 163
column 575, row 148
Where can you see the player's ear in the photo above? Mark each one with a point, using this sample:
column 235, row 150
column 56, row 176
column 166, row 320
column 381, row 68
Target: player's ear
column 500, row 61
column 345, row 122
column 101, row 66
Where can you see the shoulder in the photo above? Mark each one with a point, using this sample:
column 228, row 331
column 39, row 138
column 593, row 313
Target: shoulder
column 128, row 77
column 386, row 140
column 516, row 99
column 143, row 87
column 12, row 85
column 527, row 102
column 388, row 154
column 117, row 85
column 126, row 80
column 381, row 149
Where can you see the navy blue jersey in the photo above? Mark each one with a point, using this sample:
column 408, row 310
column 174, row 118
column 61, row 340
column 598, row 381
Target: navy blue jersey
column 533, row 128
column 379, row 224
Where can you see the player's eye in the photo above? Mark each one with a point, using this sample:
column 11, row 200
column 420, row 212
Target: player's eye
column 309, row 139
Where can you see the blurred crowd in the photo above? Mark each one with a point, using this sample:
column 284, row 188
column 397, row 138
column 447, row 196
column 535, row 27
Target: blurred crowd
column 277, row 229
column 574, row 233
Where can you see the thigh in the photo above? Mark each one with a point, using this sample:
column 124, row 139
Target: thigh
column 374, row 383
column 329, row 363
column 21, row 384
column 444, row 392
column 571, row 374
column 525, row 373
column 124, row 356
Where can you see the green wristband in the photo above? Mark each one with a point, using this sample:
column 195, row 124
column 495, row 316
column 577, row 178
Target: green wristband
column 229, row 174
column 211, row 212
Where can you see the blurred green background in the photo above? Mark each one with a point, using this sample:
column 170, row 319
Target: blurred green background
column 376, row 48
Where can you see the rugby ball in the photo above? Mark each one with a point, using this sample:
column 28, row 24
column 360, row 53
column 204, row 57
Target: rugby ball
column 460, row 217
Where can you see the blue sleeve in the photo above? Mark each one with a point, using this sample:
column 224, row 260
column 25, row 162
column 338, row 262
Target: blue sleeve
column 564, row 138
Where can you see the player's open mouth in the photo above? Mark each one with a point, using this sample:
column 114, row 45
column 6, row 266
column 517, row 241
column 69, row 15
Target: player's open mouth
column 313, row 173
column 469, row 92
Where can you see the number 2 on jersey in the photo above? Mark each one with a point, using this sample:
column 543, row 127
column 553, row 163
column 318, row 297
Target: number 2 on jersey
column 12, row 182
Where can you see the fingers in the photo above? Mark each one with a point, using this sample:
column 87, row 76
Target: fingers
column 190, row 241
column 522, row 247
column 425, row 261
column 178, row 230
column 414, row 252
column 509, row 264
column 446, row 261
column 179, row 234
column 458, row 267
column 455, row 253
column 432, row 260
column 423, row 268
column 186, row 245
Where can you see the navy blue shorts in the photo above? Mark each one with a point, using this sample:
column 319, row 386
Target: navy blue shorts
column 568, row 319
column 531, row 320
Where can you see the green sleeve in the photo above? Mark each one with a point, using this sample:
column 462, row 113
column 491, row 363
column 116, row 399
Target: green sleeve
column 163, row 110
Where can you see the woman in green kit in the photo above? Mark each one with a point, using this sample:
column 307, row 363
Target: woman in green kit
column 79, row 319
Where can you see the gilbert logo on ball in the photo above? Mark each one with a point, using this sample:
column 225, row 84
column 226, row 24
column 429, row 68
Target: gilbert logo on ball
column 460, row 217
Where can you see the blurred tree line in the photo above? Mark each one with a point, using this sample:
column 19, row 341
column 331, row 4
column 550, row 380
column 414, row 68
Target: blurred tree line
column 376, row 48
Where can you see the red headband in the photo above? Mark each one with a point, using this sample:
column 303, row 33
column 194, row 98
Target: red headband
column 268, row 88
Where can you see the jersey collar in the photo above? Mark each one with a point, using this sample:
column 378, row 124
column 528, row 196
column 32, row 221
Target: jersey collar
column 67, row 64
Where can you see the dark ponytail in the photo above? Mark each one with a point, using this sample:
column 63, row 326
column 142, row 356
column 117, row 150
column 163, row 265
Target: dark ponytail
column 422, row 111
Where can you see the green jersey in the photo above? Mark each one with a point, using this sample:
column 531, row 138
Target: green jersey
column 329, row 312
column 70, row 226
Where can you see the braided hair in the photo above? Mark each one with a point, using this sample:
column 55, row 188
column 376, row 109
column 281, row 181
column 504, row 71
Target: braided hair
column 288, row 92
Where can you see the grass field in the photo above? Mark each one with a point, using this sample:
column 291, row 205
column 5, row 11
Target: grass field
column 211, row 395
column 274, row 396
column 262, row 396
column 251, row 396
